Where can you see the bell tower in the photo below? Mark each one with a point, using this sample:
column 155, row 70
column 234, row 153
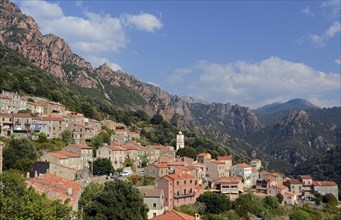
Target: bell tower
column 180, row 141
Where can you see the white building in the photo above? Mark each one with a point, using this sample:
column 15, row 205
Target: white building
column 180, row 141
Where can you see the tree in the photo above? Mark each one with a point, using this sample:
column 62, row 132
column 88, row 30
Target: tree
column 299, row 214
column 30, row 100
column 215, row 203
column 156, row 119
column 18, row 149
column 330, row 199
column 103, row 166
column 42, row 138
column 97, row 141
column 17, row 201
column 87, row 110
column 90, row 192
column 67, row 137
column 248, row 203
column 270, row 202
column 118, row 200
column 187, row 152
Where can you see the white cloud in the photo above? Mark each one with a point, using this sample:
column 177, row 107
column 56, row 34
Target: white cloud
column 257, row 84
column 332, row 8
column 307, row 11
column 320, row 40
column 338, row 60
column 92, row 35
column 143, row 21
column 97, row 61
column 178, row 75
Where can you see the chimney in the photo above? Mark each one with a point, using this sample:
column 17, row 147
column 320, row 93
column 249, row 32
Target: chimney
column 69, row 191
column 35, row 173
column 28, row 175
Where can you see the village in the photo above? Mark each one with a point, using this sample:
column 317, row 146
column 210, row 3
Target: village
column 63, row 174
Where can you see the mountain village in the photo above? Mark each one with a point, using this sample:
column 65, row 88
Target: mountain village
column 65, row 173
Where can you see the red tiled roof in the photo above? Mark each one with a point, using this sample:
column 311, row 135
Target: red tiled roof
column 81, row 126
column 164, row 160
column 270, row 178
column 81, row 146
column 294, row 181
column 289, row 194
column 324, row 183
column 254, row 170
column 176, row 163
column 160, row 165
column 180, row 176
column 35, row 104
column 202, row 154
column 119, row 131
column 159, row 147
column 56, row 188
column 244, row 165
column 69, row 153
column 52, row 119
column 305, row 177
column 198, row 187
column 129, row 147
column 225, row 157
column 4, row 97
column 116, row 148
column 280, row 186
column 59, row 155
column 217, row 162
column 173, row 215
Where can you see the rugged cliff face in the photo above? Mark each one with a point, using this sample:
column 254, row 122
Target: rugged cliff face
column 297, row 137
column 48, row 52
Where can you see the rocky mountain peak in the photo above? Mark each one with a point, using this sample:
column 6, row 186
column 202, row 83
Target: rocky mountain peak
column 49, row 52
column 295, row 123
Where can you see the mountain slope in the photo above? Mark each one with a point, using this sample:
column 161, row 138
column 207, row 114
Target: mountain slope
column 297, row 137
column 291, row 104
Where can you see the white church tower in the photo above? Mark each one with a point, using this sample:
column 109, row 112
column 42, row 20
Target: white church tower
column 180, row 141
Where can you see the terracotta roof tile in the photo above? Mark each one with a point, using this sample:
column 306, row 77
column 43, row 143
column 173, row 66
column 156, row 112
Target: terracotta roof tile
column 151, row 193
column 56, row 188
column 160, row 165
column 294, row 181
column 69, row 153
column 116, row 148
column 225, row 157
column 174, row 215
column 244, row 165
column 59, row 155
column 324, row 183
column 289, row 194
column 281, row 187
column 305, row 177
column 203, row 154
column 180, row 176
column 82, row 146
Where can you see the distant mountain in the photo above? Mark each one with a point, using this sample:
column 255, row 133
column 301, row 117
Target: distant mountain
column 300, row 104
column 300, row 135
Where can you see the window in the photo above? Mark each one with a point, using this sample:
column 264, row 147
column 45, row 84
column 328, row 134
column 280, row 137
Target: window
column 177, row 182
column 154, row 214
column 185, row 182
column 154, row 205
column 190, row 181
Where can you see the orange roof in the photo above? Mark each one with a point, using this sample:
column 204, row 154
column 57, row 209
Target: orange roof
column 294, row 181
column 33, row 103
column 324, row 183
column 81, row 126
column 176, row 163
column 180, row 176
column 4, row 97
column 56, row 188
column 185, row 168
column 159, row 147
column 69, row 153
column 305, row 177
column 81, row 146
column 129, row 147
column 225, row 157
column 270, row 178
column 281, row 187
column 203, row 154
column 228, row 179
column 289, row 194
column 59, row 155
column 173, row 215
column 119, row 131
column 276, row 174
column 244, row 165
column 116, row 148
column 160, row 165
column 21, row 115
column 165, row 160
column 52, row 119
column 217, row 162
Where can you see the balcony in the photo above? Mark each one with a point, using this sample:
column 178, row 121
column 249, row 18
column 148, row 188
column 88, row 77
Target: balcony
column 181, row 195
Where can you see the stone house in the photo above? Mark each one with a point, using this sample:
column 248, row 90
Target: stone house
column 244, row 171
column 35, row 108
column 6, row 124
column 154, row 198
column 65, row 158
column 325, row 187
column 295, row 186
column 256, row 164
column 84, row 151
column 156, row 170
column 22, row 125
column 307, row 185
column 202, row 157
column 47, row 167
column 276, row 189
column 214, row 169
column 117, row 155
column 228, row 163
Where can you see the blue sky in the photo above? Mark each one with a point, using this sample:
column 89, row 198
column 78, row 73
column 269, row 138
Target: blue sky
column 250, row 53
